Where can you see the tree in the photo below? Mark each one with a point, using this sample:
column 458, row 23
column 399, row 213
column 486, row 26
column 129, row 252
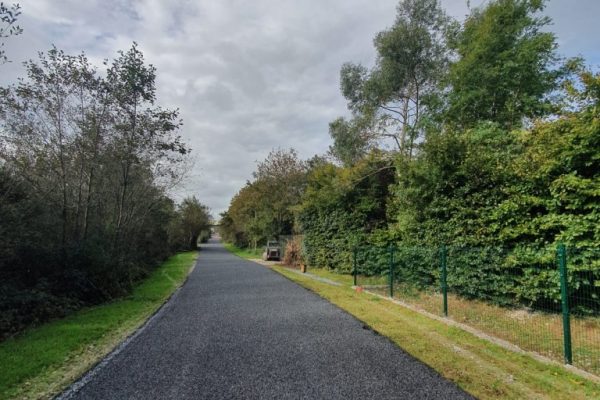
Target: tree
column 251, row 215
column 281, row 179
column 350, row 143
column 262, row 209
column 391, row 101
column 85, row 164
column 227, row 229
column 506, row 65
column 8, row 28
column 556, row 195
column 144, row 133
column 191, row 220
column 47, row 118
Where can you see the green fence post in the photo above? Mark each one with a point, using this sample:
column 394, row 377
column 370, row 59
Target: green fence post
column 391, row 272
column 564, row 296
column 354, row 268
column 444, row 283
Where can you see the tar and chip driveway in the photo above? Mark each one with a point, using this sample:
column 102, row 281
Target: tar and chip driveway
column 237, row 330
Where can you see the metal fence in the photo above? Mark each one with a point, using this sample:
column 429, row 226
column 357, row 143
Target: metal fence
column 545, row 300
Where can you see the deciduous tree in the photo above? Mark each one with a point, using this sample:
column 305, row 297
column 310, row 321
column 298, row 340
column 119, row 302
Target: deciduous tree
column 390, row 102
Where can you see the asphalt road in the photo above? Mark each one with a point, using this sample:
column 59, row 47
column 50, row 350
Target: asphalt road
column 237, row 330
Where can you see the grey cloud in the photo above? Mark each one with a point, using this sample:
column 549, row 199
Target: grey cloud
column 216, row 96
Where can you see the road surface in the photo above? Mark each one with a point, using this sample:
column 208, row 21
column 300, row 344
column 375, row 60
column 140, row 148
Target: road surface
column 237, row 330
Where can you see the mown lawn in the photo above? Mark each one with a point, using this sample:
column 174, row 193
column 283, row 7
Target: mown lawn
column 243, row 253
column 530, row 330
column 42, row 361
column 480, row 367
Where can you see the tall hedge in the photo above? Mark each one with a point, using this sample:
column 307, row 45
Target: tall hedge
column 341, row 207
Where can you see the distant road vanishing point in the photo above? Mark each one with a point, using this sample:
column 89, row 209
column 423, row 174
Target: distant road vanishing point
column 237, row 330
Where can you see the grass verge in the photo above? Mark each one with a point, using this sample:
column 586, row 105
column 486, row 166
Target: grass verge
column 481, row 368
column 530, row 330
column 347, row 279
column 42, row 361
column 248, row 254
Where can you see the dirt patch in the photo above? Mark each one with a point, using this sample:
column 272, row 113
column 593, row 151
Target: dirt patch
column 265, row 263
column 520, row 315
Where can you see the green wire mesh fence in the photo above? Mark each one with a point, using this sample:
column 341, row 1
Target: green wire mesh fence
column 545, row 300
column 583, row 272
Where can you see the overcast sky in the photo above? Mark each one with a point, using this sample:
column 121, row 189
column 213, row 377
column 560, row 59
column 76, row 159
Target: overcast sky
column 247, row 76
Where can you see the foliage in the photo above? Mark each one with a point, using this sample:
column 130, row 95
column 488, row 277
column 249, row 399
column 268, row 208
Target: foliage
column 558, row 176
column 8, row 18
column 448, row 193
column 350, row 144
column 391, row 102
column 341, row 206
column 248, row 220
column 506, row 65
column 190, row 225
column 85, row 164
column 518, row 194
column 262, row 209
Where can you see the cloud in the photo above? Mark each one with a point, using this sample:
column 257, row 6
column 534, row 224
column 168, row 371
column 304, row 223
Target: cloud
column 247, row 76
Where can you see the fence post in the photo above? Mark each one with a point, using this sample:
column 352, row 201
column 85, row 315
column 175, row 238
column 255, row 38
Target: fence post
column 444, row 283
column 564, row 296
column 354, row 267
column 391, row 272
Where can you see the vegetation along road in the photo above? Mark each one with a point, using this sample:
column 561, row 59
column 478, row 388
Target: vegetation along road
column 239, row 330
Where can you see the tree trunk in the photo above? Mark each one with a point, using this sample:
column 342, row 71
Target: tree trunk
column 126, row 174
column 63, row 173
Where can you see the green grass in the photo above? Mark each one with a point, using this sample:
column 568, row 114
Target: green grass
column 486, row 370
column 347, row 279
column 530, row 330
column 243, row 253
column 535, row 331
column 44, row 360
